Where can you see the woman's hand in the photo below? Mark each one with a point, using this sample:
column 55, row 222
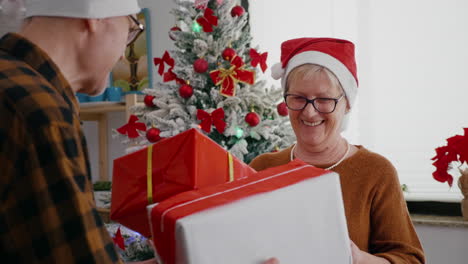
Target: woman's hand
column 362, row 257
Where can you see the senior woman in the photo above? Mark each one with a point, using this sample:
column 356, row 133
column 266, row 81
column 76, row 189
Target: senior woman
column 319, row 79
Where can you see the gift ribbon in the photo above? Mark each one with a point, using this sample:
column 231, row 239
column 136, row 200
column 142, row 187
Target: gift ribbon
column 231, row 167
column 166, row 211
column 149, row 174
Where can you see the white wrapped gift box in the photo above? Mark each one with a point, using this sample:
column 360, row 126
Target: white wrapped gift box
column 292, row 212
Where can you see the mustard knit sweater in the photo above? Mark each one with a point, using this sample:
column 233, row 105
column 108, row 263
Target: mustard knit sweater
column 376, row 212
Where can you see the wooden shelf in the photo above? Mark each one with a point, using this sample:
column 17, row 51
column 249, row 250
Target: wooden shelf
column 97, row 111
column 102, row 107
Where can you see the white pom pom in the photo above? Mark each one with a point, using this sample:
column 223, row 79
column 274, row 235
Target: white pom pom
column 277, row 71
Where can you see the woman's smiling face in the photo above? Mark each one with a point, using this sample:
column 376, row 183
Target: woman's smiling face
column 311, row 127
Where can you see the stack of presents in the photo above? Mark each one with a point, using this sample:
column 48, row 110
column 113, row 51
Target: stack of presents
column 201, row 205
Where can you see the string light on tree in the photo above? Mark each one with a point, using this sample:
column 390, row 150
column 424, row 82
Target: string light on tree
column 196, row 27
column 239, row 132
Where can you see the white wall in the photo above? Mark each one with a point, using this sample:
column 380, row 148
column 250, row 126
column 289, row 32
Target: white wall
column 416, row 57
column 273, row 22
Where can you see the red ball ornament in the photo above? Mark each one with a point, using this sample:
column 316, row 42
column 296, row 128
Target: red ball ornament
column 200, row 65
column 149, row 100
column 172, row 30
column 282, row 109
column 153, row 135
column 228, row 54
column 252, row 119
column 237, row 11
column 186, row 91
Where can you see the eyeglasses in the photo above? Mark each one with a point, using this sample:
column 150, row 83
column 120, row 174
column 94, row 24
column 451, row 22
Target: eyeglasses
column 134, row 32
column 322, row 105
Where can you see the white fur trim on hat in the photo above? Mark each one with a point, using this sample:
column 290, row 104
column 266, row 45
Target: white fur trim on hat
column 81, row 8
column 277, row 71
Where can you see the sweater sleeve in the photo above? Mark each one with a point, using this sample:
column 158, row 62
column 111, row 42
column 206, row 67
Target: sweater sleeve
column 393, row 236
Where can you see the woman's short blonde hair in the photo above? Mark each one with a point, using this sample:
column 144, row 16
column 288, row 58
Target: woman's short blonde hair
column 307, row 71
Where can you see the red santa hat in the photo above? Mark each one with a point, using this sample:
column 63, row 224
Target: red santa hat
column 336, row 55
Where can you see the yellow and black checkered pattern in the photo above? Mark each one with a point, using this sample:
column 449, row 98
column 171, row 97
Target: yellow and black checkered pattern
column 47, row 210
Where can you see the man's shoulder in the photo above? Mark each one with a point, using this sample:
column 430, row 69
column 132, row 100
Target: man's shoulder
column 24, row 92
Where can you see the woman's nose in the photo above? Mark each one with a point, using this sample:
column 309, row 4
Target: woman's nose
column 309, row 110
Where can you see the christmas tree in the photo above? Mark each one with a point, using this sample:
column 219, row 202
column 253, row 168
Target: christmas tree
column 211, row 82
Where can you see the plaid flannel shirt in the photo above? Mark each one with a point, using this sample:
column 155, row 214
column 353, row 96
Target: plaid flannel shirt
column 47, row 210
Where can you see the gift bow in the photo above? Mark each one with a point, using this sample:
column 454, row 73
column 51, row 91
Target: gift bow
column 131, row 127
column 228, row 78
column 258, row 59
column 171, row 76
column 208, row 20
column 166, row 58
column 216, row 118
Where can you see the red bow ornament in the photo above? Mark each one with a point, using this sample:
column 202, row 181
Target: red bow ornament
column 208, row 20
column 258, row 59
column 118, row 239
column 228, row 78
column 171, row 76
column 216, row 118
column 166, row 59
column 131, row 127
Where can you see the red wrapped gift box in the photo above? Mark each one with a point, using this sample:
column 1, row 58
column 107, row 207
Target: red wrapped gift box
column 293, row 212
column 187, row 161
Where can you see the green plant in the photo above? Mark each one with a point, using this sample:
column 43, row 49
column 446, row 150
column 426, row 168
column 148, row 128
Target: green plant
column 102, row 186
